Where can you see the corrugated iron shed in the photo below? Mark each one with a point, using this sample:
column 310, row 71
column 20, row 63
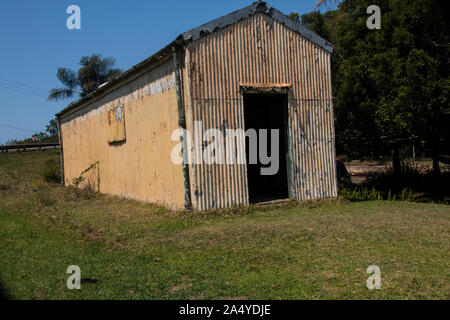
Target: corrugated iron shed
column 255, row 49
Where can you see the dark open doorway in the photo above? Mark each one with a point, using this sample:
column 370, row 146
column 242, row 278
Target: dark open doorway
column 267, row 111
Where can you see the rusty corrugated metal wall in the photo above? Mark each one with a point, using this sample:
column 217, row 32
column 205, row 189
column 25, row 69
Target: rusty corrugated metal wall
column 263, row 51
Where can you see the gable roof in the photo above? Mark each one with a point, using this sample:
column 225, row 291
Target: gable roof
column 249, row 11
column 198, row 33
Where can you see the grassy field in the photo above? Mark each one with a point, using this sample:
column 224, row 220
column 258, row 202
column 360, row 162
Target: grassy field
column 314, row 250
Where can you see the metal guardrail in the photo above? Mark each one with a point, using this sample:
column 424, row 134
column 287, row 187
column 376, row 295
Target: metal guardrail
column 29, row 147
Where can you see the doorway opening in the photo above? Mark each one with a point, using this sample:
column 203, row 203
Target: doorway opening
column 267, row 111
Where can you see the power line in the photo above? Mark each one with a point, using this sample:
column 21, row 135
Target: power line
column 23, row 85
column 3, row 83
column 23, row 91
column 21, row 129
column 22, row 88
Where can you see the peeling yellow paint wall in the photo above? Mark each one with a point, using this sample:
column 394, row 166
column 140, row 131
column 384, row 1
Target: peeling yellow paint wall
column 140, row 167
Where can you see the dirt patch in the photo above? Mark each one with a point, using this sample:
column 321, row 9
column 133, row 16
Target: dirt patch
column 180, row 287
column 186, row 284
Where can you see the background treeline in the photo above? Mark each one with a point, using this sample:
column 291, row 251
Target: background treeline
column 391, row 85
column 49, row 136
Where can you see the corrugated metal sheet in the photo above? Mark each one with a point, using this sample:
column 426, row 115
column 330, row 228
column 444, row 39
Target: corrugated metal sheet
column 262, row 50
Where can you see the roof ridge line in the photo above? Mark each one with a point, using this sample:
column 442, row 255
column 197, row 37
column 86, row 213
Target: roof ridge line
column 249, row 11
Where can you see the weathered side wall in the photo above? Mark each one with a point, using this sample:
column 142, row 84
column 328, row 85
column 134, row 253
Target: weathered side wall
column 263, row 51
column 140, row 167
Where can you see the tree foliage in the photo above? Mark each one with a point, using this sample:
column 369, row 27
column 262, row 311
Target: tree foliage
column 294, row 16
column 49, row 136
column 390, row 85
column 52, row 128
column 95, row 70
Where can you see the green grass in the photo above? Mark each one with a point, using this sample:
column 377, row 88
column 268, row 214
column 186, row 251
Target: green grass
column 314, row 250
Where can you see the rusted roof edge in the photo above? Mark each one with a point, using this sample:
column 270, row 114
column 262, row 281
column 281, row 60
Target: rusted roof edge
column 249, row 11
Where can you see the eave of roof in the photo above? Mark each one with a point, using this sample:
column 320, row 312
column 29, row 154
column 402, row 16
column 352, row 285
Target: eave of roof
column 135, row 69
column 199, row 32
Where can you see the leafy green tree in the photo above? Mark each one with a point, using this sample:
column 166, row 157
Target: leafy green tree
column 95, row 70
column 49, row 136
column 391, row 85
column 294, row 16
column 315, row 21
column 52, row 128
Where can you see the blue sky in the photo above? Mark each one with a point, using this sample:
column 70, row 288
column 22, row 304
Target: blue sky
column 35, row 42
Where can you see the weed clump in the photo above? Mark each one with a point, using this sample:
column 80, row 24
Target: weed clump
column 51, row 172
column 73, row 193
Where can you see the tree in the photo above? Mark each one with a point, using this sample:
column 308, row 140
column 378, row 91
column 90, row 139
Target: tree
column 294, row 16
column 49, row 136
column 391, row 85
column 94, row 71
column 315, row 22
column 326, row 3
column 52, row 128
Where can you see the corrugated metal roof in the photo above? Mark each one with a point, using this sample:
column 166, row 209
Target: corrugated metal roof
column 249, row 11
column 198, row 33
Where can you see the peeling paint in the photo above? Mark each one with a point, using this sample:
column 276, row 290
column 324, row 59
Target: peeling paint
column 237, row 57
column 139, row 168
column 256, row 47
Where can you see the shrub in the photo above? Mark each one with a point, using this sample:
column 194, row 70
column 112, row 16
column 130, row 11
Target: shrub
column 51, row 172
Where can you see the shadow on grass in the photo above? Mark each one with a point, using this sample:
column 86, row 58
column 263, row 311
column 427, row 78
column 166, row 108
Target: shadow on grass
column 4, row 295
column 412, row 184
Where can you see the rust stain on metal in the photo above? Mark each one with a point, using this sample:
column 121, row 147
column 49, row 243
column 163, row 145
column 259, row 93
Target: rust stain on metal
column 265, row 87
column 261, row 53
